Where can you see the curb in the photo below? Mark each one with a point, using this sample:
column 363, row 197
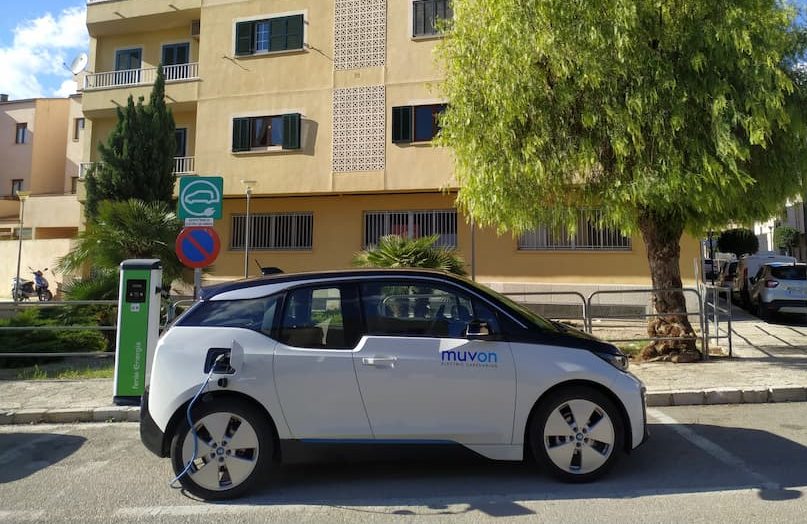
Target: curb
column 654, row 399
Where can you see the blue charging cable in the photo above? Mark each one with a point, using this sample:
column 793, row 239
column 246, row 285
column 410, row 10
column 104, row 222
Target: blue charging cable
column 190, row 421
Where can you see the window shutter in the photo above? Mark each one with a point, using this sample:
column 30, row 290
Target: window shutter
column 402, row 124
column 244, row 34
column 418, row 19
column 291, row 131
column 295, row 32
column 240, row 134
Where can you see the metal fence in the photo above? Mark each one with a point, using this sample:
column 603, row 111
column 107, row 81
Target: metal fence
column 713, row 314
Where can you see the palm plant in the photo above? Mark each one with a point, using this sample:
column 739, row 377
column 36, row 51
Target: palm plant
column 128, row 229
column 394, row 251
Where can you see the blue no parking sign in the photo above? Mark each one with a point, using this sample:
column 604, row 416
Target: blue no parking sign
column 198, row 247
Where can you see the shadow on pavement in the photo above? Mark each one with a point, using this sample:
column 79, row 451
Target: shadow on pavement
column 23, row 454
column 666, row 464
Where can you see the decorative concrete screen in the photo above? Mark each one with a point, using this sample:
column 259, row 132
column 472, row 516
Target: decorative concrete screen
column 358, row 129
column 360, row 33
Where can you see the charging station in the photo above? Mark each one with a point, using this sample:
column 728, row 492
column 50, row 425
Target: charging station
column 138, row 327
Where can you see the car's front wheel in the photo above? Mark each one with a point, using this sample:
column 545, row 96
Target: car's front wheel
column 577, row 434
column 234, row 448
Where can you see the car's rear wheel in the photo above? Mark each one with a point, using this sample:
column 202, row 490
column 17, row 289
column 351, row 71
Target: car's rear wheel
column 234, row 449
column 577, row 434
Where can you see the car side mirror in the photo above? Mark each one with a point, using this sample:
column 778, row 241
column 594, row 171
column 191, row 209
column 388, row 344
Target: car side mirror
column 477, row 329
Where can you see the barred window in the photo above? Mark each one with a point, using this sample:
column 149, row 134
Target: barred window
column 274, row 231
column 411, row 224
column 587, row 237
column 426, row 13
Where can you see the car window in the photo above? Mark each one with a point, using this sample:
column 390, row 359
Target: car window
column 256, row 314
column 421, row 309
column 314, row 317
column 760, row 271
column 789, row 272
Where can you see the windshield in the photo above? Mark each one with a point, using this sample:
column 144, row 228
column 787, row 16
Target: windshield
column 524, row 311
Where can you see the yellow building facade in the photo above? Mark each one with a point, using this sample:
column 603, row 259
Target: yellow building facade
column 328, row 108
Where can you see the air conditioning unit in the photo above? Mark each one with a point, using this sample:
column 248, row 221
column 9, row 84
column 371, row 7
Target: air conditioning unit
column 196, row 27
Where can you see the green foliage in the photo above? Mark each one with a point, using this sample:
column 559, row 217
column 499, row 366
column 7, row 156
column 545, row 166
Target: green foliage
column 690, row 111
column 45, row 341
column 739, row 241
column 786, row 237
column 122, row 230
column 101, row 285
column 137, row 160
column 394, row 251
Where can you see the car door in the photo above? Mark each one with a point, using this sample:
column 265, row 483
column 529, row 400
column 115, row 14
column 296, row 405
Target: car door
column 313, row 370
column 421, row 376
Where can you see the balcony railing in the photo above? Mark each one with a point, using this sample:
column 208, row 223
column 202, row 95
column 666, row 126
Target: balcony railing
column 145, row 76
column 183, row 165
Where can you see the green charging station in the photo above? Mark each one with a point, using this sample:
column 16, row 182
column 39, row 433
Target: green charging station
column 138, row 327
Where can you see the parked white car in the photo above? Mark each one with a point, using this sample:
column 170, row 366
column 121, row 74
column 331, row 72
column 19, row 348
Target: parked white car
column 779, row 287
column 747, row 268
column 398, row 357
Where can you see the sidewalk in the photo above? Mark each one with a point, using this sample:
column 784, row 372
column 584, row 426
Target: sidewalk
column 769, row 365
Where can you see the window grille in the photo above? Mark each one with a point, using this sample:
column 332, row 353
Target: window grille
column 588, row 237
column 411, row 224
column 274, row 231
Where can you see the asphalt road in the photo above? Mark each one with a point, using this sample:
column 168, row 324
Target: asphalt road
column 745, row 463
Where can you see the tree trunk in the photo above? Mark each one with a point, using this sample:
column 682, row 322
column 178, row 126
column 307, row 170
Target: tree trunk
column 661, row 233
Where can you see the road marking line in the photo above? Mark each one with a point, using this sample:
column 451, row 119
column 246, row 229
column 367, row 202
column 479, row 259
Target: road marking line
column 21, row 516
column 715, row 450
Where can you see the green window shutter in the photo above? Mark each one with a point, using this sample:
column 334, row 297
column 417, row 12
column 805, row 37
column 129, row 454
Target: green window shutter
column 240, row 134
column 295, row 32
column 402, row 124
column 244, row 33
column 291, row 131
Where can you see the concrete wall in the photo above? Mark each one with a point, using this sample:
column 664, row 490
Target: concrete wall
column 50, row 145
column 38, row 254
column 338, row 227
column 75, row 145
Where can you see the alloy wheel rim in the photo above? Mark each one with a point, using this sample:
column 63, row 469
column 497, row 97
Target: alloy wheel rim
column 579, row 436
column 227, row 451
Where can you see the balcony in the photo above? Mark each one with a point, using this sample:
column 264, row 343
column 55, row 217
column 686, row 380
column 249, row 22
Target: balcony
column 136, row 77
column 105, row 91
column 110, row 17
column 183, row 165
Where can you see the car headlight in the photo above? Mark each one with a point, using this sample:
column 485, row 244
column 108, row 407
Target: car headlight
column 618, row 360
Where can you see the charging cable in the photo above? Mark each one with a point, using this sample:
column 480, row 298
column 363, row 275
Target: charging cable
column 190, row 421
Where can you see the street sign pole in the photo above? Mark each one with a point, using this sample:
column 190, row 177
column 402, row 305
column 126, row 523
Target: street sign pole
column 197, row 283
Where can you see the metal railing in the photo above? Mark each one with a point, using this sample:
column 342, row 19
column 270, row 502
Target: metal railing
column 716, row 309
column 54, row 304
column 583, row 306
column 183, row 165
column 142, row 76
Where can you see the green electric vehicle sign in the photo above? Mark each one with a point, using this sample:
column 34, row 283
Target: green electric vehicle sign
column 200, row 197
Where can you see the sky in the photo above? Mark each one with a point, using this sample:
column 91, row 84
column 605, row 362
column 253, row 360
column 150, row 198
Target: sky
column 38, row 40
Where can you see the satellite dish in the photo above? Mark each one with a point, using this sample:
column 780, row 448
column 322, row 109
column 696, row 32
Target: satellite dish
column 79, row 63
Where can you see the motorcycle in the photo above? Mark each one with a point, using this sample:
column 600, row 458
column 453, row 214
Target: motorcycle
column 38, row 287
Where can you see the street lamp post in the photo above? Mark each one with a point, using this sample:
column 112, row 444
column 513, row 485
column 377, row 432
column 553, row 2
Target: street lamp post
column 248, row 190
column 22, row 196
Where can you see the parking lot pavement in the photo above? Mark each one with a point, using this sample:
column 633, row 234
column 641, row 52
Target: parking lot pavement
column 702, row 464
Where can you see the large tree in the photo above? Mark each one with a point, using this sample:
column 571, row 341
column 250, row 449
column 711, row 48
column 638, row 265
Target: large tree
column 668, row 115
column 137, row 160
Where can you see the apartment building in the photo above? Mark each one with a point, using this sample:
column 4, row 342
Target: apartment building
column 40, row 154
column 329, row 107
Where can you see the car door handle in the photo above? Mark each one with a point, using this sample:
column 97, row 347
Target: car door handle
column 379, row 362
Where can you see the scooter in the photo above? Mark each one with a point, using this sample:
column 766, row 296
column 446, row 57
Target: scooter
column 32, row 288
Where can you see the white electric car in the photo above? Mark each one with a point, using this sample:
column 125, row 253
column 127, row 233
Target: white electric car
column 399, row 357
